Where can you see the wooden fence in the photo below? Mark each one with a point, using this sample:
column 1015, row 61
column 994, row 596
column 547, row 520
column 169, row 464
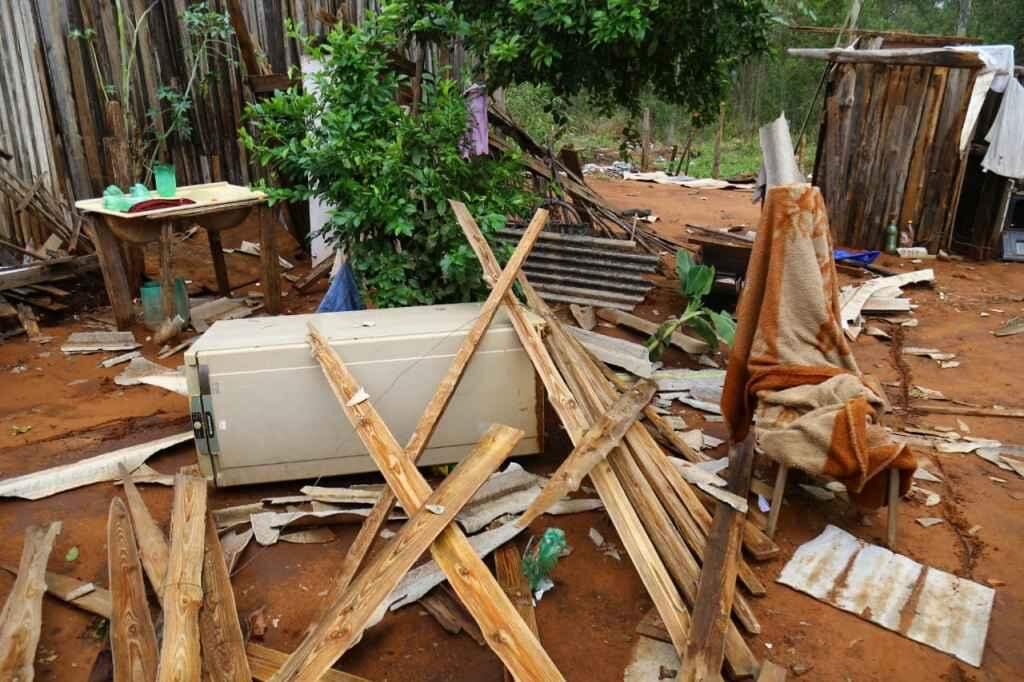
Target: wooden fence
column 54, row 116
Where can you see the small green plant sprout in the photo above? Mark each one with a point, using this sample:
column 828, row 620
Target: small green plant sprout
column 209, row 51
column 714, row 327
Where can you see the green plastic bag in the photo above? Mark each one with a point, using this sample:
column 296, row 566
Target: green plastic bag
column 540, row 559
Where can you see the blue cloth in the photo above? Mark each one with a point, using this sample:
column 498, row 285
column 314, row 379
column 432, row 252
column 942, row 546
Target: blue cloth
column 343, row 294
column 865, row 257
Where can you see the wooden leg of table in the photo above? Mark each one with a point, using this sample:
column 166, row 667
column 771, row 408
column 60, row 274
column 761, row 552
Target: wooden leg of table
column 108, row 250
column 271, row 266
column 894, row 506
column 220, row 267
column 777, row 492
column 167, row 269
column 135, row 265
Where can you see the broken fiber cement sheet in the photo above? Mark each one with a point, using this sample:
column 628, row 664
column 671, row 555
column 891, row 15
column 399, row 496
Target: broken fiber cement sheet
column 96, row 469
column 921, row 603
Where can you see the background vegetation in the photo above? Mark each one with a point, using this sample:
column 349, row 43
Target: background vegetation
column 757, row 90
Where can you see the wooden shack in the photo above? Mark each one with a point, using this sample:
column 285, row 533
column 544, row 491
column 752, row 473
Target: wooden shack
column 889, row 146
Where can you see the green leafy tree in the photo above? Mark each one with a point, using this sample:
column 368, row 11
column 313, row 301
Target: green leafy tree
column 387, row 172
column 714, row 327
column 616, row 51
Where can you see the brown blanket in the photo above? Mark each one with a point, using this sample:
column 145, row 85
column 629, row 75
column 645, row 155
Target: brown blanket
column 791, row 371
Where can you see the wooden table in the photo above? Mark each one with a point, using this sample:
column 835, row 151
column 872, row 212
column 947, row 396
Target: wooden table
column 219, row 206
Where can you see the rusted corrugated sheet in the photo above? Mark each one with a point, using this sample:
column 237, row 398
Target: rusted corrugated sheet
column 921, row 603
column 597, row 271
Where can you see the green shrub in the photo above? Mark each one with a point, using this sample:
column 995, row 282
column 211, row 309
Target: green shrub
column 388, row 173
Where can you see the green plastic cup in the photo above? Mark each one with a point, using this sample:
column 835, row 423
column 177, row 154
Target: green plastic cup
column 166, row 182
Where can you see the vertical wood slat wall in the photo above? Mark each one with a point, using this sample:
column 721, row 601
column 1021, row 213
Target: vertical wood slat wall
column 889, row 148
column 52, row 109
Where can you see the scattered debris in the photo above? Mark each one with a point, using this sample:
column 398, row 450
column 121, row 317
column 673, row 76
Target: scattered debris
column 929, row 498
column 1015, row 325
column 143, row 371
column 118, row 359
column 584, row 316
column 929, row 521
column 95, row 342
column 853, row 299
column 678, row 339
column 603, row 545
column 933, row 353
column 203, row 315
column 96, row 469
column 625, row 354
column 947, row 613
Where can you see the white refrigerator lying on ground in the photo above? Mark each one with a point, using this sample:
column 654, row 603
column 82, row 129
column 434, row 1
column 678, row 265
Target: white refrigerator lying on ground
column 262, row 409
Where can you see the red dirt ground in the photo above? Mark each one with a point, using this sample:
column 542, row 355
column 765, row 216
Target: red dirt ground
column 587, row 622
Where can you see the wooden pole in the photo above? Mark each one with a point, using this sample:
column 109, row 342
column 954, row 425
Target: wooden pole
column 132, row 636
column 645, row 141
column 183, row 591
column 706, row 646
column 22, row 615
column 152, row 544
column 718, row 141
column 224, row 657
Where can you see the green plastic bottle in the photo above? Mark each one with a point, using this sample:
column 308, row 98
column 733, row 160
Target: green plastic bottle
column 892, row 238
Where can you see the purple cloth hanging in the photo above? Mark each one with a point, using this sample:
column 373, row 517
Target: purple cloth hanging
column 475, row 142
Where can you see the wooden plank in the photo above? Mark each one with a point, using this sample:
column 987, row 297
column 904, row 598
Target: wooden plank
column 22, row 615
column 220, row 633
column 57, row 268
column 183, row 590
column 900, row 56
column 943, row 161
column 220, row 267
column 132, row 636
column 28, row 322
column 59, row 81
column 584, row 316
column 428, row 421
column 343, row 624
column 450, row 614
column 634, row 538
column 706, row 647
column 265, row 662
column 967, row 410
column 508, row 568
column 152, row 542
column 74, row 592
column 648, row 490
column 594, row 446
column 630, row 321
column 319, row 270
column 115, row 277
column 626, row 354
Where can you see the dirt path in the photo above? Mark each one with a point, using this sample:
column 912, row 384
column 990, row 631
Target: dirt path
column 587, row 621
